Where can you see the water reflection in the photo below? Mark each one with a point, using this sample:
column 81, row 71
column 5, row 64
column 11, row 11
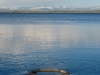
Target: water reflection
column 27, row 47
column 19, row 39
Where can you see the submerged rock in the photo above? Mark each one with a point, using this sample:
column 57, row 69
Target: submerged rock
column 49, row 70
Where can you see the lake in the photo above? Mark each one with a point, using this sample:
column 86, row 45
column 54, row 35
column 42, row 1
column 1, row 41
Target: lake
column 63, row 41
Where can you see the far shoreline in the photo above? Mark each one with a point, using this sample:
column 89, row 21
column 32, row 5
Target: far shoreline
column 50, row 11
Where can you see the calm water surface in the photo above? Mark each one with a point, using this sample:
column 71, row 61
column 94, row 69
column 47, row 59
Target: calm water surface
column 64, row 41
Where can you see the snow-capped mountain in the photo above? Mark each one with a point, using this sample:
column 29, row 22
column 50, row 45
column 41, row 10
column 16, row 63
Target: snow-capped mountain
column 43, row 8
column 51, row 8
column 4, row 8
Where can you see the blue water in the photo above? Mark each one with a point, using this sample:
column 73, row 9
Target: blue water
column 64, row 41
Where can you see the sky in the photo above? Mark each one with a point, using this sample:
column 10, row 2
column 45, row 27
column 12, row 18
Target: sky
column 32, row 3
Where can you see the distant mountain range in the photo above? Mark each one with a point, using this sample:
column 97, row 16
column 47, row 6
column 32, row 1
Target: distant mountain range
column 50, row 8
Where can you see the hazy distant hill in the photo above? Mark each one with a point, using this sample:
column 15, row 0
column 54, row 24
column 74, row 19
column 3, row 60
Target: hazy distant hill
column 49, row 9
